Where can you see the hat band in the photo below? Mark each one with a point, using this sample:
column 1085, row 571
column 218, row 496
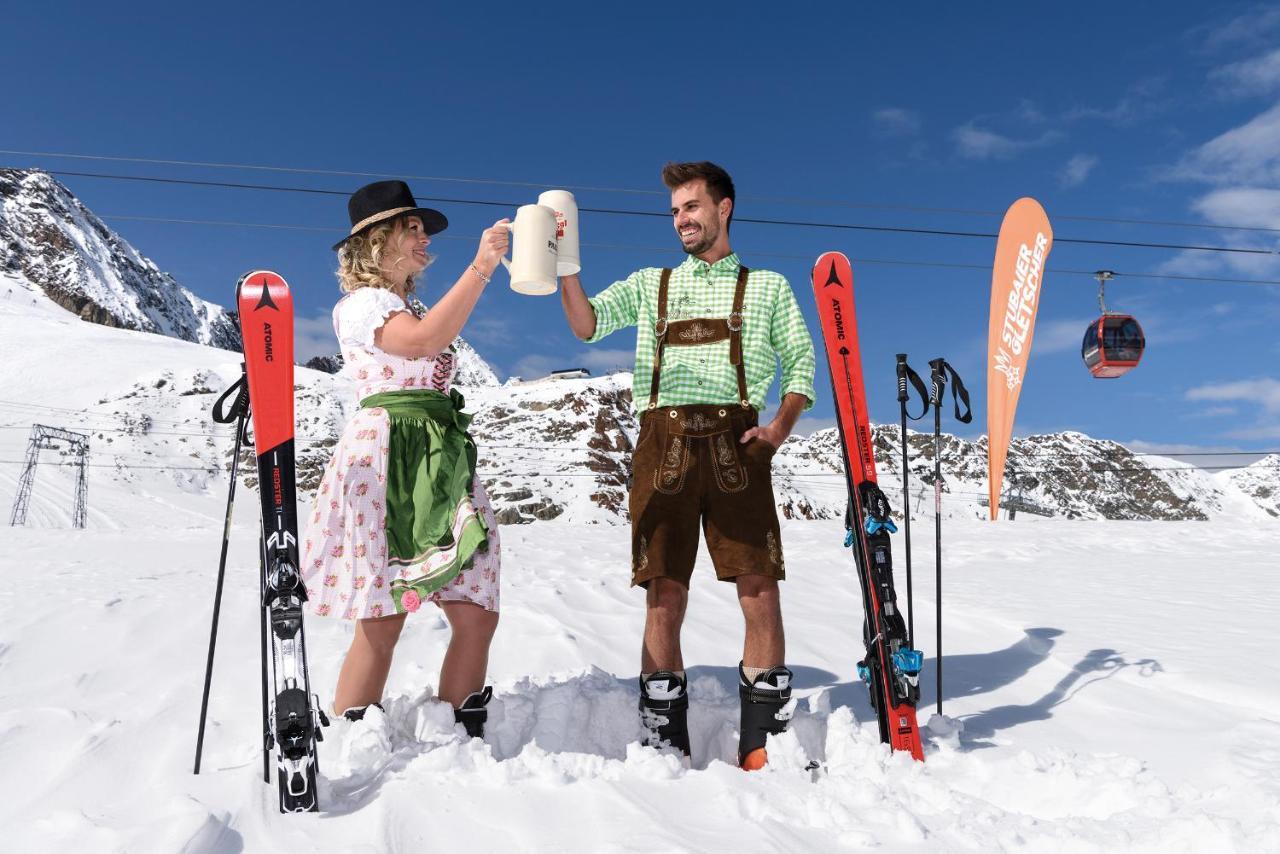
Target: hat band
column 377, row 218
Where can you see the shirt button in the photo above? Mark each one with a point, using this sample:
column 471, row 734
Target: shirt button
column 699, row 382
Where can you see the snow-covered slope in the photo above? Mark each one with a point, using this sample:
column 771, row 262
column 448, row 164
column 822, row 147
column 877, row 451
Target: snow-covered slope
column 1259, row 482
column 1085, row 711
column 52, row 244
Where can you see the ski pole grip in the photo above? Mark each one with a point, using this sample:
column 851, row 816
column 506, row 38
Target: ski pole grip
column 939, row 378
column 902, row 378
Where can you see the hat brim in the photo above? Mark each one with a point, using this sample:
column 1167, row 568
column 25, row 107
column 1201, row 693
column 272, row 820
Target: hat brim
column 433, row 222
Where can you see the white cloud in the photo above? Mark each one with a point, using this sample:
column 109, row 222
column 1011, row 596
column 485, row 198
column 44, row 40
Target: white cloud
column 601, row 361
column 896, row 121
column 1257, row 432
column 1247, row 29
column 596, row 360
column 1215, row 456
column 1247, row 155
column 806, row 426
column 1059, row 336
column 1263, row 391
column 536, row 365
column 1245, row 206
column 313, row 336
column 1239, row 206
column 1140, row 100
column 491, row 330
column 1258, row 75
column 1077, row 169
column 978, row 143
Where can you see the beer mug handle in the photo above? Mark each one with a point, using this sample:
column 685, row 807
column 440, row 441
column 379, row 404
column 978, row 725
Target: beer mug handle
column 511, row 228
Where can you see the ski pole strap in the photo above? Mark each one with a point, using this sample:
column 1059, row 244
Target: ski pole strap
column 959, row 394
column 905, row 375
column 239, row 407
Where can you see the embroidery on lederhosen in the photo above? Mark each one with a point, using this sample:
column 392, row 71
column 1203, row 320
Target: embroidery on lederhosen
column 775, row 552
column 640, row 560
column 730, row 475
column 669, row 477
column 697, row 423
column 695, row 333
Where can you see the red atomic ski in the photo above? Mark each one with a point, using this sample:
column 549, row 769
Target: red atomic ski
column 291, row 714
column 891, row 668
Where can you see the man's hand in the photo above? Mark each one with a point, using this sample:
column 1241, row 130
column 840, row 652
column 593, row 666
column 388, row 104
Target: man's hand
column 780, row 427
column 774, row 434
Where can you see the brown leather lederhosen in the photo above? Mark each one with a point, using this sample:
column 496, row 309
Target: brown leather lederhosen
column 690, row 468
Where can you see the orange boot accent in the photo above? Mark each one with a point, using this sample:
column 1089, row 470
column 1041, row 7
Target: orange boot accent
column 755, row 760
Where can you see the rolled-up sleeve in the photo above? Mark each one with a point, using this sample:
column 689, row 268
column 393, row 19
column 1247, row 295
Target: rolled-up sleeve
column 790, row 339
column 617, row 306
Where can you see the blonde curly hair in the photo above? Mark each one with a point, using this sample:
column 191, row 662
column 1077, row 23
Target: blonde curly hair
column 360, row 260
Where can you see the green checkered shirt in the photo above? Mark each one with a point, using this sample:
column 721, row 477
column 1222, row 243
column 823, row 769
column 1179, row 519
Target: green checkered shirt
column 773, row 331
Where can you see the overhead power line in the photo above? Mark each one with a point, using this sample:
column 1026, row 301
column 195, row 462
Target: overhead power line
column 884, row 229
column 628, row 190
column 1090, row 274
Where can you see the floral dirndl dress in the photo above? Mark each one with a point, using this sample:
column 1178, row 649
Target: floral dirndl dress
column 344, row 548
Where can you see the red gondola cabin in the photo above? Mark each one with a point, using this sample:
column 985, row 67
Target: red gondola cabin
column 1113, row 345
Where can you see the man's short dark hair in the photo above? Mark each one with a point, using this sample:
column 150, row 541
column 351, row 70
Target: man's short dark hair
column 719, row 184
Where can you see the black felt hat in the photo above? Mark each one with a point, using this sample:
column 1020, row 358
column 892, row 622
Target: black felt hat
column 387, row 200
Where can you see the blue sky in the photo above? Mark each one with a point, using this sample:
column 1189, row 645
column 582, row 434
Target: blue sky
column 822, row 112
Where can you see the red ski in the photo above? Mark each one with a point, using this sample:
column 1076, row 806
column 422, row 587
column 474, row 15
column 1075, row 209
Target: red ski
column 293, row 718
column 891, row 668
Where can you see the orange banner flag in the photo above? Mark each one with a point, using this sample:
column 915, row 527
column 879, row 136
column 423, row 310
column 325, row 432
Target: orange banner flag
column 1016, row 280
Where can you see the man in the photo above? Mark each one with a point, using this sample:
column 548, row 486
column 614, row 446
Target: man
column 709, row 336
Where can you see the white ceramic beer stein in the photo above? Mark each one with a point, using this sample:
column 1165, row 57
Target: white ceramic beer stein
column 562, row 202
column 533, row 251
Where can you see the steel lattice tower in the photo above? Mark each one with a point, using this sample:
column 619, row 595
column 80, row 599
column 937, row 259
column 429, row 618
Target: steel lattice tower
column 49, row 438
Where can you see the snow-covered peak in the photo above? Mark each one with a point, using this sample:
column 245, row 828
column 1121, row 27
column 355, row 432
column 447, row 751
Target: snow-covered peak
column 1260, row 481
column 473, row 370
column 50, row 243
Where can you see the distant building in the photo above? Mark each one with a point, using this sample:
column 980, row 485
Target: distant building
column 563, row 374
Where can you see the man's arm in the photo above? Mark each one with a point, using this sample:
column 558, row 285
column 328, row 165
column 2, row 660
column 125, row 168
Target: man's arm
column 790, row 340
column 577, row 308
column 614, row 308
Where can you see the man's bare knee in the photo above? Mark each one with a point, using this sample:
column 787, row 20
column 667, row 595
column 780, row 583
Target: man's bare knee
column 664, row 594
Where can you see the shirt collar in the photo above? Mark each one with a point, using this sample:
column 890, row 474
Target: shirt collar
column 728, row 264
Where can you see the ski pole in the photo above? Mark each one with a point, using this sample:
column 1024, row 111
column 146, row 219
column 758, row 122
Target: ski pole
column 267, row 736
column 904, row 374
column 939, row 379
column 240, row 413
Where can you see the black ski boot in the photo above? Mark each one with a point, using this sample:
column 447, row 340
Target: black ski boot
column 762, row 713
column 472, row 714
column 664, row 711
column 356, row 713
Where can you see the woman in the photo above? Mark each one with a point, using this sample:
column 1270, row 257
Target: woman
column 400, row 518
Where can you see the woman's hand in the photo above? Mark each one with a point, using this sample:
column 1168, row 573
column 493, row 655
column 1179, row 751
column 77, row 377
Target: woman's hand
column 493, row 245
